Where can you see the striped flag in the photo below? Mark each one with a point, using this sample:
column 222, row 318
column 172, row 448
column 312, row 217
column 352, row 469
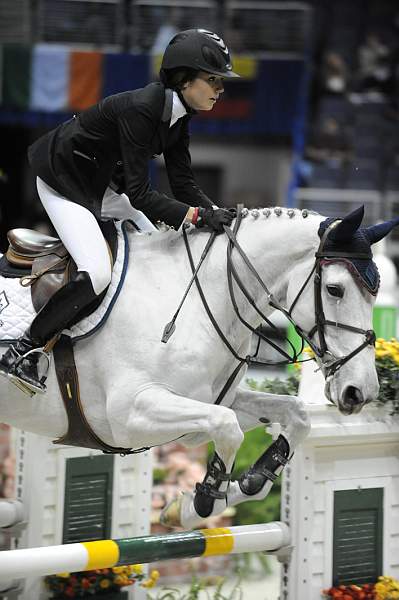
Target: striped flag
column 50, row 78
column 85, row 79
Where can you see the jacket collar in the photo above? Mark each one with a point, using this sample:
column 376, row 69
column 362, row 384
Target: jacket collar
column 178, row 109
column 168, row 105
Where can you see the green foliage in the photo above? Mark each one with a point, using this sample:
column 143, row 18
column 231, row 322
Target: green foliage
column 288, row 386
column 388, row 376
column 250, row 564
column 159, row 475
column 197, row 586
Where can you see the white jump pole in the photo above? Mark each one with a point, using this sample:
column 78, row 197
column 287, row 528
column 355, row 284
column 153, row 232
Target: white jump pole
column 85, row 556
column 11, row 513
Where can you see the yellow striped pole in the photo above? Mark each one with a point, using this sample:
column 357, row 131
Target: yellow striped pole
column 85, row 556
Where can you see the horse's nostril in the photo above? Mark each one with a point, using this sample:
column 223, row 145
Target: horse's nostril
column 353, row 395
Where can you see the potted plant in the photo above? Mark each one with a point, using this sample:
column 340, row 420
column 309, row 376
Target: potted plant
column 106, row 584
column 386, row 588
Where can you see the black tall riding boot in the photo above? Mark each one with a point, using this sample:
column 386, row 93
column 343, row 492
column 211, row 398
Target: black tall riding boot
column 61, row 311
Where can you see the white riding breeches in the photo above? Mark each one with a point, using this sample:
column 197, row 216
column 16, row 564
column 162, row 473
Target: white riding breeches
column 80, row 233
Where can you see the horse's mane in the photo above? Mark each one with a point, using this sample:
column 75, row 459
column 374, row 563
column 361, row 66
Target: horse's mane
column 167, row 237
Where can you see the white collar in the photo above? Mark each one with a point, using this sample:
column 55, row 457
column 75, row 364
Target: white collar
column 178, row 109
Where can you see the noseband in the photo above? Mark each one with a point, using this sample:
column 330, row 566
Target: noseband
column 328, row 362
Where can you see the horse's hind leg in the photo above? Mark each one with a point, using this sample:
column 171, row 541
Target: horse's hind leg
column 160, row 416
column 289, row 411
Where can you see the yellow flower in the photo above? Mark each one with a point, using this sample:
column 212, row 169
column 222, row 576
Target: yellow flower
column 122, row 580
column 148, row 583
column 138, row 569
column 104, row 583
column 154, row 575
column 64, row 575
column 118, row 570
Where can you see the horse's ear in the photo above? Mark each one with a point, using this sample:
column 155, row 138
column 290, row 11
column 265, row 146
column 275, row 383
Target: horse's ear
column 345, row 230
column 375, row 233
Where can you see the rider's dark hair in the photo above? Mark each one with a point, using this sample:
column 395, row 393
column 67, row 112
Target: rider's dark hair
column 177, row 78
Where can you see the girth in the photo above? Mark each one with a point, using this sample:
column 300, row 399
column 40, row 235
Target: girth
column 79, row 432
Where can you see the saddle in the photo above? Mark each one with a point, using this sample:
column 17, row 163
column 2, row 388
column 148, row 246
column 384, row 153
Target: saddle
column 43, row 263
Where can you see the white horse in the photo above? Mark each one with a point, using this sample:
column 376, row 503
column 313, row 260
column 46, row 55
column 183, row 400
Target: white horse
column 137, row 391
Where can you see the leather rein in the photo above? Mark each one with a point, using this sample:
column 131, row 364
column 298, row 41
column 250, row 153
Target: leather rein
column 328, row 362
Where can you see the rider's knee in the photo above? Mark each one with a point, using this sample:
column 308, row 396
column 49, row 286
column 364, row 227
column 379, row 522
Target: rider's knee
column 100, row 278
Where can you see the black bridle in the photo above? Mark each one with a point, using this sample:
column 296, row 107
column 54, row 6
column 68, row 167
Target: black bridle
column 328, row 362
column 330, row 367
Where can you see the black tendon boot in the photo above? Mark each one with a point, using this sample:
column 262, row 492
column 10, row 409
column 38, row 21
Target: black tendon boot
column 252, row 481
column 61, row 311
column 208, row 491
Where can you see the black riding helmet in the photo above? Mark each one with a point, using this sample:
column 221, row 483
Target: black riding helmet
column 197, row 49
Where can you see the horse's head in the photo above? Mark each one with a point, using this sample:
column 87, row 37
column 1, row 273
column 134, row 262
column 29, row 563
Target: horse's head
column 336, row 316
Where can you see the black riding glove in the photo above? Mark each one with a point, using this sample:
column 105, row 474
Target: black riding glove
column 215, row 218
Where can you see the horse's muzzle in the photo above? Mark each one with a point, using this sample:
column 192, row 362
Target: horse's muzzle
column 352, row 401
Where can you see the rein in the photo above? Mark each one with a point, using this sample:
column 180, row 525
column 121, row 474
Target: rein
column 328, row 368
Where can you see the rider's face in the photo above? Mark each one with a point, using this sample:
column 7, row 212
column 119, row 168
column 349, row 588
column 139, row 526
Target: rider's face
column 203, row 92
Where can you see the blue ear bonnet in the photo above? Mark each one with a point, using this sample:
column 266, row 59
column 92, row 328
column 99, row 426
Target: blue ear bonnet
column 364, row 269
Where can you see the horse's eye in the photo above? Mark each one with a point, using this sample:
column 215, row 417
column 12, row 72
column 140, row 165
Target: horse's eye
column 335, row 290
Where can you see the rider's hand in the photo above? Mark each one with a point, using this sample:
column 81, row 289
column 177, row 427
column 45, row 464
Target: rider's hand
column 215, row 218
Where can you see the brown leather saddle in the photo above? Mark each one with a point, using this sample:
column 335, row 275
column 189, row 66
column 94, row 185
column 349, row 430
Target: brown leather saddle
column 43, row 263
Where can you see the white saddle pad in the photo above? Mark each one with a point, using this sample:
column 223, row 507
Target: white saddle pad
column 17, row 312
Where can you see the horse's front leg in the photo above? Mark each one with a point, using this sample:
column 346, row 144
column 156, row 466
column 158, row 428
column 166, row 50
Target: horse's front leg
column 253, row 408
column 160, row 416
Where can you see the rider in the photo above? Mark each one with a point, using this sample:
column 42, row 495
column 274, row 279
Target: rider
column 77, row 162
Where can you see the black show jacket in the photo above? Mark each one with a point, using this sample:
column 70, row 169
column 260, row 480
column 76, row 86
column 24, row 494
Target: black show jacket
column 80, row 157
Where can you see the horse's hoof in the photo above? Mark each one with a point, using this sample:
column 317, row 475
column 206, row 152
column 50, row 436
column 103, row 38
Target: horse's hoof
column 170, row 515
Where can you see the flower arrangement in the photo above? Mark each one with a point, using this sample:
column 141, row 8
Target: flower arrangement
column 387, row 364
column 351, row 592
column 387, row 588
column 98, row 582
